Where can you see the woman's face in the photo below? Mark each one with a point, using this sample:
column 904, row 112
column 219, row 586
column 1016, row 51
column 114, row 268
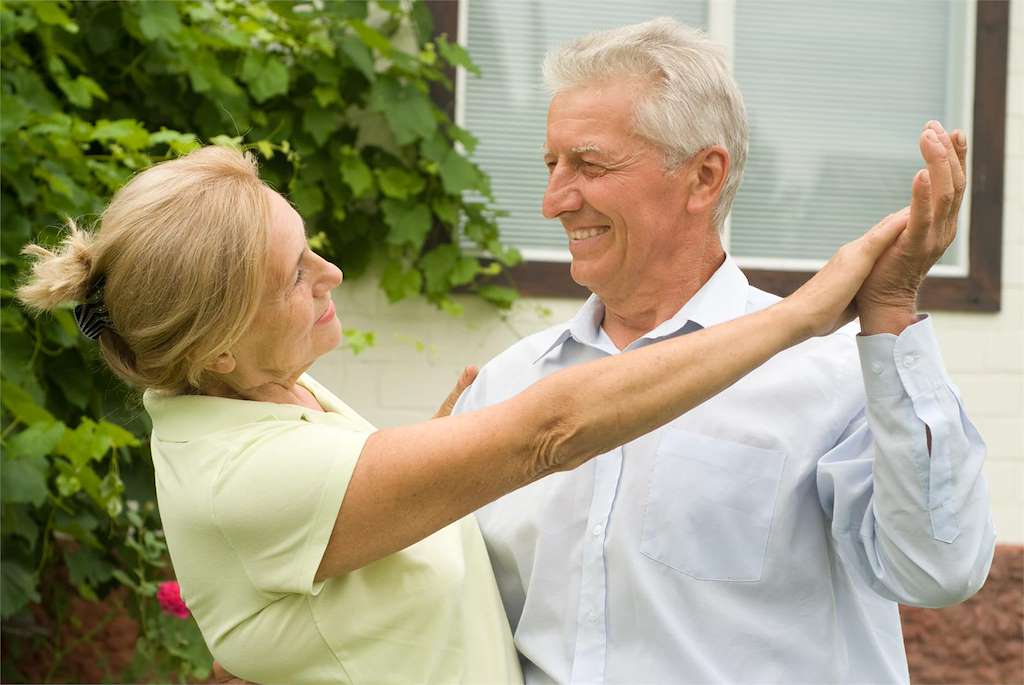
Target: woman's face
column 296, row 322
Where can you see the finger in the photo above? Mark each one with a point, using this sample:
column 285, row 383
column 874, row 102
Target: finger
column 884, row 233
column 920, row 207
column 466, row 379
column 957, row 171
column 940, row 176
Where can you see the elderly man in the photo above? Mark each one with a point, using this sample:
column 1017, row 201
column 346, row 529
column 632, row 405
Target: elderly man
column 767, row 535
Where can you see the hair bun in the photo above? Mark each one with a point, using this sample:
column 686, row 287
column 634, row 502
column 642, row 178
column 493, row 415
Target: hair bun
column 60, row 275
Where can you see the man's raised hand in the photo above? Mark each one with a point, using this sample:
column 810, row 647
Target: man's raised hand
column 887, row 302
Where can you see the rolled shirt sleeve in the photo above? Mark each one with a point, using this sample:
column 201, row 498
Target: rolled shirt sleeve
column 914, row 523
column 276, row 502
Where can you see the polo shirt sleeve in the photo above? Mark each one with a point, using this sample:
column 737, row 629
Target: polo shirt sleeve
column 277, row 500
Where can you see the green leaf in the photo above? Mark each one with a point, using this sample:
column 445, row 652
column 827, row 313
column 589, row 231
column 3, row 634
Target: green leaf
column 127, row 132
column 446, row 209
column 158, row 19
column 409, row 222
column 180, row 143
column 456, row 55
column 82, row 90
column 18, row 521
column 24, row 480
column 399, row 283
column 51, row 13
column 468, row 140
column 87, row 567
column 359, row 54
column 18, row 587
column 309, row 200
column 499, row 295
column 118, row 436
column 326, row 95
column 458, row 174
column 22, row 406
column 266, row 75
column 407, row 109
column 321, row 123
column 355, row 173
column 371, row 37
column 36, row 441
column 436, row 266
column 358, row 340
column 465, row 271
column 85, row 443
column 398, row 183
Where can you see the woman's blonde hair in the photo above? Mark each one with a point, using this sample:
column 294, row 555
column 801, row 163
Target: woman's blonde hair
column 182, row 254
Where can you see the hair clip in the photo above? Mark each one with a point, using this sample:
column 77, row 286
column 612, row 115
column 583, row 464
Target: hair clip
column 92, row 316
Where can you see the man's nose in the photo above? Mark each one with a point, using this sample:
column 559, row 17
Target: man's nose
column 561, row 195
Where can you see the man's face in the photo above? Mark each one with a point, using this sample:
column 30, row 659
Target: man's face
column 621, row 210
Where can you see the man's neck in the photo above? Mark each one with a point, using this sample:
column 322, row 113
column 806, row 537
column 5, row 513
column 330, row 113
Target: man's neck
column 629, row 316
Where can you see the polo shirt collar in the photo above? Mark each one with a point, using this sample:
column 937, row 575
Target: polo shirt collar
column 722, row 298
column 181, row 418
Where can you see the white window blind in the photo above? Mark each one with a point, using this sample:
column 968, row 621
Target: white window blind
column 836, row 94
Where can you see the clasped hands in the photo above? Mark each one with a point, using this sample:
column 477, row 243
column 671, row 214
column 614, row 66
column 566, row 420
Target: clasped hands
column 887, row 300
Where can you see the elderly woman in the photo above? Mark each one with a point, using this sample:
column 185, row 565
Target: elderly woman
column 311, row 547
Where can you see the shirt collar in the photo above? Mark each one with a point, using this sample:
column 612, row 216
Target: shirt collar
column 181, row 418
column 722, row 298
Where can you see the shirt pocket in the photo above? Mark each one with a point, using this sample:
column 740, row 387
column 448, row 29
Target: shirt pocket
column 710, row 505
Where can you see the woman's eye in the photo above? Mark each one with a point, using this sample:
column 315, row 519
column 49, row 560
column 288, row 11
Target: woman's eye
column 298, row 276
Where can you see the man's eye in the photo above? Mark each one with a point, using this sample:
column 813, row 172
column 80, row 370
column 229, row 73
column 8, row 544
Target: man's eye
column 298, row 276
column 592, row 169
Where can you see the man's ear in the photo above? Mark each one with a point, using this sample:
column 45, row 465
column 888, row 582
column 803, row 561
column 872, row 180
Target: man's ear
column 705, row 178
column 223, row 364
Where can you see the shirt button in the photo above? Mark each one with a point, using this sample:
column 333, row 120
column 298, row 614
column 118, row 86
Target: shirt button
column 909, row 361
column 592, row 617
column 597, row 530
column 876, row 367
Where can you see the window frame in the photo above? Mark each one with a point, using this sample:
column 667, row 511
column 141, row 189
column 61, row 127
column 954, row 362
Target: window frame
column 978, row 291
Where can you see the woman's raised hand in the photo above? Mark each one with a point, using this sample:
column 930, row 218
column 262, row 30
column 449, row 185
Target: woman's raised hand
column 824, row 303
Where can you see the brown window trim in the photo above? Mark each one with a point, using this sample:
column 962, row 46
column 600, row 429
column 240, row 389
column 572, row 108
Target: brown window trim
column 979, row 291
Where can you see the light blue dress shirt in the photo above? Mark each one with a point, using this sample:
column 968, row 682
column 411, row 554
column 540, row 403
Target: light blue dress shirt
column 764, row 536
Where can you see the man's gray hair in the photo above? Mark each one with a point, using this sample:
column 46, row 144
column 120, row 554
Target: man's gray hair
column 692, row 101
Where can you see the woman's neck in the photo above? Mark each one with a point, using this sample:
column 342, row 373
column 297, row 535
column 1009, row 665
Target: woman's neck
column 278, row 392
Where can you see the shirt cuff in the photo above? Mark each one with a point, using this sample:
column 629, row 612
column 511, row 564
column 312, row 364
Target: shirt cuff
column 910, row 362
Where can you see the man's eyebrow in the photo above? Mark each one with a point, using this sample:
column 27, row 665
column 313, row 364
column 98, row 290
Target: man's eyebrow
column 576, row 149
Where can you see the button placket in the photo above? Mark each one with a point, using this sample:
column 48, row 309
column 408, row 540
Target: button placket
column 591, row 639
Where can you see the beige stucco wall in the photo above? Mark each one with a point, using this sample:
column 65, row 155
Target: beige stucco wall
column 420, row 351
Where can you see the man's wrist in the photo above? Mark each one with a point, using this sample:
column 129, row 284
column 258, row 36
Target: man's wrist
column 876, row 320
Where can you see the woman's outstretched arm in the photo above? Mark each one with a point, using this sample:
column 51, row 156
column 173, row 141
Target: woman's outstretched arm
column 413, row 480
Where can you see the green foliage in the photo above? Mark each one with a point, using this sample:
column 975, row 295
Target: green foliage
column 334, row 99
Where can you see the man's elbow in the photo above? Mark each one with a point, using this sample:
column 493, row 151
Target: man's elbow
column 959, row 579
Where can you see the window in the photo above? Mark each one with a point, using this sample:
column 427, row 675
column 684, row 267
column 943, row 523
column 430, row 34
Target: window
column 836, row 93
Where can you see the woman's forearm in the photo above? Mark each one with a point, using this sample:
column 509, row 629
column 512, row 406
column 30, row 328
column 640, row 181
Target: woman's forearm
column 589, row 409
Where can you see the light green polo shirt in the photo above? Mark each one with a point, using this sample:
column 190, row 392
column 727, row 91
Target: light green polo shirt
column 248, row 495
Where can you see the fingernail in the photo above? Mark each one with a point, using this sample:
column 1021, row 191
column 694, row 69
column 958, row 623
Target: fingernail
column 936, row 126
column 961, row 139
column 933, row 137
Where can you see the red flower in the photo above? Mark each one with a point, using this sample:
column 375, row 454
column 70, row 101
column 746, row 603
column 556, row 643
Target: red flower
column 169, row 596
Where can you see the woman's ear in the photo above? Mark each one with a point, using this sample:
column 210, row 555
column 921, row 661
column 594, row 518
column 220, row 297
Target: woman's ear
column 223, row 364
column 705, row 178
